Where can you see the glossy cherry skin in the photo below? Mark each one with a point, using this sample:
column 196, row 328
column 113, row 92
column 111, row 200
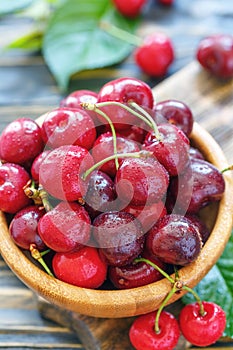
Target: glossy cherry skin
column 64, row 126
column 101, row 194
column 129, row 8
column 23, row 227
column 65, row 228
column 155, row 55
column 13, row 178
column 202, row 330
column 172, row 151
column 35, row 167
column 84, row 268
column 103, row 148
column 201, row 226
column 174, row 240
column 119, row 236
column 215, row 54
column 75, row 98
column 177, row 113
column 21, row 141
column 61, row 172
column 143, row 336
column 201, row 184
column 136, row 183
column 125, row 90
column 136, row 274
column 148, row 215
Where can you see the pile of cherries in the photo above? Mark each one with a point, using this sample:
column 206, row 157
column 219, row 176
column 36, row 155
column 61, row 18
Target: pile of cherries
column 107, row 189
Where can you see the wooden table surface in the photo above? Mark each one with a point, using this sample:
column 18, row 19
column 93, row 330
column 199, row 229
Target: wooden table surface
column 28, row 89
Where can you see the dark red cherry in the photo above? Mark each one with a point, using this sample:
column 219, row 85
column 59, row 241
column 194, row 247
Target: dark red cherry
column 101, row 194
column 65, row 228
column 215, row 54
column 136, row 183
column 135, row 274
column 21, row 141
column 23, row 227
column 201, row 226
column 84, row 268
column 13, row 178
column 61, row 172
column 172, row 151
column 177, row 113
column 103, row 148
column 64, row 126
column 201, row 184
column 195, row 153
column 119, row 236
column 174, row 240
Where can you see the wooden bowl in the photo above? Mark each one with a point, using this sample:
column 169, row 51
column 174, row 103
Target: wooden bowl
column 131, row 302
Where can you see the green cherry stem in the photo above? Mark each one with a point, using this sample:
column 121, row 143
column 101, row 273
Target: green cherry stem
column 148, row 116
column 196, row 296
column 143, row 115
column 38, row 256
column 227, row 169
column 94, row 107
column 140, row 154
column 121, row 34
column 164, row 303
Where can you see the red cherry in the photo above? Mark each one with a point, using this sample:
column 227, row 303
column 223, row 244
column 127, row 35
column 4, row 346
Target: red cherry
column 23, row 228
column 84, row 268
column 215, row 54
column 177, row 113
column 172, row 151
column 155, row 55
column 21, row 141
column 103, row 148
column 148, row 215
column 13, row 178
column 129, row 8
column 61, row 171
column 136, row 183
column 74, row 99
column 66, row 227
column 202, row 330
column 64, row 126
column 143, row 336
column 125, row 90
column 35, row 167
column 177, row 234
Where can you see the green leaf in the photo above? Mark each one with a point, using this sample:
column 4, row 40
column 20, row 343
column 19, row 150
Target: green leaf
column 31, row 41
column 11, row 6
column 217, row 286
column 74, row 40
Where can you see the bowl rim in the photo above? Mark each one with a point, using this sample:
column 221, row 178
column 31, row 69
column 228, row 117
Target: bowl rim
column 135, row 301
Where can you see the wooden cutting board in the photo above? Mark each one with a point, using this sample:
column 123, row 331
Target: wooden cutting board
column 211, row 102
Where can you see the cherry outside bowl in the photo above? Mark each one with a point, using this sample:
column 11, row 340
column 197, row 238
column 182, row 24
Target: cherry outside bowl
column 131, row 302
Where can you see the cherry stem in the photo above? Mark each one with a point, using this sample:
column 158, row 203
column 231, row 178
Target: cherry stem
column 148, row 116
column 198, row 299
column 38, row 256
column 144, row 116
column 93, row 107
column 170, row 294
column 140, row 154
column 227, row 169
column 156, row 267
column 121, row 34
column 38, row 195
